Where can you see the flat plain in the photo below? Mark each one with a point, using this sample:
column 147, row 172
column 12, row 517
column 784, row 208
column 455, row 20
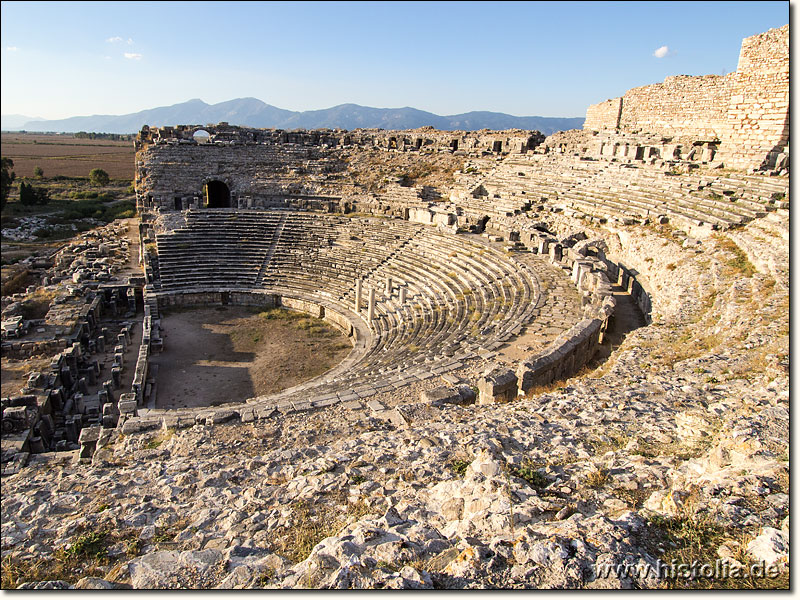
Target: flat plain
column 64, row 154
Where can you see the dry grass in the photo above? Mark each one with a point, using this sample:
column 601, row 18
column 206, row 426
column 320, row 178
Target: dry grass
column 309, row 524
column 610, row 441
column 85, row 555
column 597, row 478
column 693, row 538
column 159, row 438
column 738, row 263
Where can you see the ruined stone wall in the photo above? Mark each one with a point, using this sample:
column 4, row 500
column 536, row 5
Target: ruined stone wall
column 271, row 168
column 681, row 106
column 748, row 110
column 513, row 141
column 758, row 111
column 603, row 115
column 169, row 176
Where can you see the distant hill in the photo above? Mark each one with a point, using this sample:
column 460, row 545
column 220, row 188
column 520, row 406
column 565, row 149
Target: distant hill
column 251, row 112
column 12, row 122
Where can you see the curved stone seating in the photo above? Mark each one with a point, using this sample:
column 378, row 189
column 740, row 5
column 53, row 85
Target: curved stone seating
column 463, row 296
column 631, row 193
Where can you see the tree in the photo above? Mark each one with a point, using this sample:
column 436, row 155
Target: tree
column 29, row 195
column 38, row 172
column 6, row 180
column 98, row 177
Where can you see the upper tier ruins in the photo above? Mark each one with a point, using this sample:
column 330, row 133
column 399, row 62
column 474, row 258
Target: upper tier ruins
column 745, row 112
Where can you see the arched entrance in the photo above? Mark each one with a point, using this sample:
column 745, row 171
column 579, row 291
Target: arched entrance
column 201, row 136
column 216, row 195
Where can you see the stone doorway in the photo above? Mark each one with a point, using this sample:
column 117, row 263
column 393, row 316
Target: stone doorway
column 217, row 195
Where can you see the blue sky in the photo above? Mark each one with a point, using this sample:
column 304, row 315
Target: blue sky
column 62, row 59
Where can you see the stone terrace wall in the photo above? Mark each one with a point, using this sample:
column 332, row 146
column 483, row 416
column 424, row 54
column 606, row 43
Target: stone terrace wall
column 758, row 112
column 748, row 110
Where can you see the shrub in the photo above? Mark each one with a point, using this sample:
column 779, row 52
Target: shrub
column 459, row 466
column 98, row 177
column 7, row 176
column 31, row 196
column 529, row 471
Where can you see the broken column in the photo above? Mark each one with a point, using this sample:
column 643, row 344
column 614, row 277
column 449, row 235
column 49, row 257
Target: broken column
column 389, row 287
column 127, row 404
column 116, row 377
column 88, row 440
column 402, row 294
column 358, row 295
column 543, row 245
column 371, row 305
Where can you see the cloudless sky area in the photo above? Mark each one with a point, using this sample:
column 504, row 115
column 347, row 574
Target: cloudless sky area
column 63, row 59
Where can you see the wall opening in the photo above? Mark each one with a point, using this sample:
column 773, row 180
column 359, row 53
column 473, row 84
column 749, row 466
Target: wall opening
column 201, row 136
column 497, row 147
column 217, row 195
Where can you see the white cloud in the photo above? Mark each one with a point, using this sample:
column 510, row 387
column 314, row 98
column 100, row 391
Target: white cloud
column 116, row 38
column 132, row 56
column 661, row 52
column 11, row 49
column 130, row 41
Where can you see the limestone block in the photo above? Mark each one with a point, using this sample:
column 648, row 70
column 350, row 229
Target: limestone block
column 441, row 395
column 498, row 385
column 771, row 546
column 486, row 465
column 89, row 434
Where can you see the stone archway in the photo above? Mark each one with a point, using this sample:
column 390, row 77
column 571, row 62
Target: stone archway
column 201, row 136
column 216, row 194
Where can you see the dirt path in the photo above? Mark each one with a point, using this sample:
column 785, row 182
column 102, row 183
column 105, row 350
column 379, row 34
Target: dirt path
column 228, row 354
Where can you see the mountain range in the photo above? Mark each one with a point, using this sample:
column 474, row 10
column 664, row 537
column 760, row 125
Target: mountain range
column 252, row 112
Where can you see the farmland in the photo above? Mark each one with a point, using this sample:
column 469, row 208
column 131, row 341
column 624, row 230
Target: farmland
column 74, row 204
column 66, row 155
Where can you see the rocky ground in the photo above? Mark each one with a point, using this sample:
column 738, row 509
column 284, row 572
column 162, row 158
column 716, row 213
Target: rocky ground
column 674, row 450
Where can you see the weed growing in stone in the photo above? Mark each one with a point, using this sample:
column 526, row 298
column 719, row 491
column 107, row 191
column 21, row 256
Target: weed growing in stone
column 597, row 478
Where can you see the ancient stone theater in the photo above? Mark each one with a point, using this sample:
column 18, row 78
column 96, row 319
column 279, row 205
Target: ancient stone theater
column 556, row 348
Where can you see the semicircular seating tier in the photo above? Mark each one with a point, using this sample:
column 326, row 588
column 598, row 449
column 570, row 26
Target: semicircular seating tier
column 464, row 297
column 619, row 191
